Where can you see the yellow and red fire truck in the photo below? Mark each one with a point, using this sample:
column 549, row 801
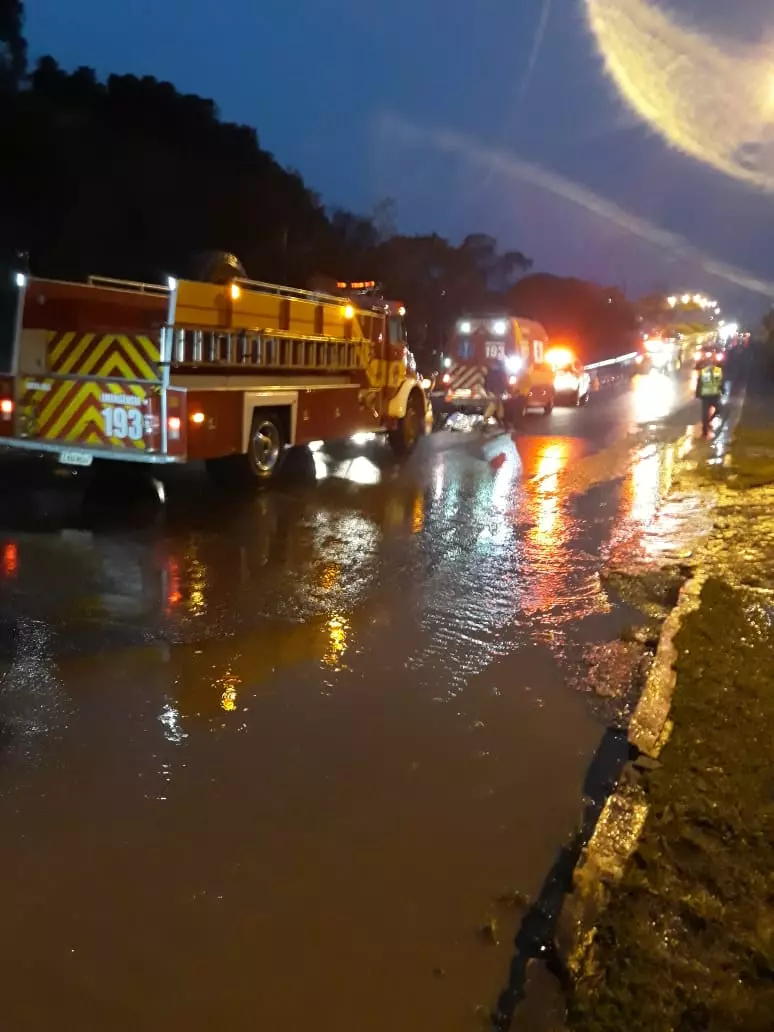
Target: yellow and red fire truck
column 232, row 373
column 477, row 346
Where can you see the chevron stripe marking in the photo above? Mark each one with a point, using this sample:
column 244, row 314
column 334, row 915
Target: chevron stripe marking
column 117, row 361
column 66, row 413
column 461, row 377
column 84, row 411
column 58, row 404
column 74, row 353
column 57, row 345
column 65, row 351
column 60, row 395
column 52, row 405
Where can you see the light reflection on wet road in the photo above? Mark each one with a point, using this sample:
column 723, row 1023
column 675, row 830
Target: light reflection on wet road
column 268, row 764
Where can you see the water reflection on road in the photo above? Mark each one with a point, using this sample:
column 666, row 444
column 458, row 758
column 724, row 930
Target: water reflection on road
column 270, row 763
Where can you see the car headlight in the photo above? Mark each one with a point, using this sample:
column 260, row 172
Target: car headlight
column 513, row 364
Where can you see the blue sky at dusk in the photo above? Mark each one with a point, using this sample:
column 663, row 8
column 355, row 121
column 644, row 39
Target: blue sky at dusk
column 437, row 105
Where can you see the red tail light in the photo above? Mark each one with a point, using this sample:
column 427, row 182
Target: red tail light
column 6, row 408
column 446, row 378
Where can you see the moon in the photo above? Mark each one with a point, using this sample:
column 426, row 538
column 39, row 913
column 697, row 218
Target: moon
column 711, row 98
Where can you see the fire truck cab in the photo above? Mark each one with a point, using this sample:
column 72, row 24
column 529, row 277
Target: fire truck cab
column 481, row 345
column 233, row 373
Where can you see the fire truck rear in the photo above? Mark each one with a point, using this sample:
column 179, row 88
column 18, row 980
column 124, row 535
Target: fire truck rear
column 233, row 373
column 480, row 344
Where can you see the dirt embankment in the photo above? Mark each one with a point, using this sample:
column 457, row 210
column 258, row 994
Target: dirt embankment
column 686, row 940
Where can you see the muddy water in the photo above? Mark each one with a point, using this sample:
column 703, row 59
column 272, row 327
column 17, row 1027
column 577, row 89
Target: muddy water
column 271, row 765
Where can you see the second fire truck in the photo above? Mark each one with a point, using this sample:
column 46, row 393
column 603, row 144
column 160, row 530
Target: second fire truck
column 479, row 344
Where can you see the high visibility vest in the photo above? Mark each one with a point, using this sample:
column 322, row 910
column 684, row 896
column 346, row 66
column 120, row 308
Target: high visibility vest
column 710, row 381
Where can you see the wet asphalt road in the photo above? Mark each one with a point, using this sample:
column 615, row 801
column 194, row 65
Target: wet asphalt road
column 268, row 763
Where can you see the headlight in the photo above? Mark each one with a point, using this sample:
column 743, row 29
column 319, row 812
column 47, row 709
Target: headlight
column 499, row 327
column 464, row 326
column 513, row 364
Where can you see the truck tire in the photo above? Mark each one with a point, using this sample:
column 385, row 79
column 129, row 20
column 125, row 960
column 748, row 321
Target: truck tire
column 548, row 408
column 265, row 451
column 411, row 427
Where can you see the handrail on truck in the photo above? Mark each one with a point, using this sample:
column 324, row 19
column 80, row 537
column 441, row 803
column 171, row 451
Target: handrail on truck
column 135, row 286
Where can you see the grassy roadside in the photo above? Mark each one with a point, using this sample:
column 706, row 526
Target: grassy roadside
column 687, row 941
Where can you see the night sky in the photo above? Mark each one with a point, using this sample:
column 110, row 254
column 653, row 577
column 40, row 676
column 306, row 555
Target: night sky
column 493, row 116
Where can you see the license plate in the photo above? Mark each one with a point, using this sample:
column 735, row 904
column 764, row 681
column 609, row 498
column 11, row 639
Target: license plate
column 76, row 458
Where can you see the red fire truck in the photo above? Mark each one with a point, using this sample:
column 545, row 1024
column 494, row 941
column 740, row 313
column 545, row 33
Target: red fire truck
column 477, row 345
column 232, row 373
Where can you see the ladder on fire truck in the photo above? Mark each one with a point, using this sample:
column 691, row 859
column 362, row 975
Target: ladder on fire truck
column 276, row 348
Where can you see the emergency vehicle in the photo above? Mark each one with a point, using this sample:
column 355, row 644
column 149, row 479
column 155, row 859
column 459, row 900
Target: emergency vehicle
column 232, row 373
column 571, row 381
column 476, row 347
column 659, row 352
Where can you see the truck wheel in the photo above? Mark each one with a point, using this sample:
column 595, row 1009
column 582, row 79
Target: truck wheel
column 265, row 445
column 548, row 408
column 265, row 450
column 410, row 428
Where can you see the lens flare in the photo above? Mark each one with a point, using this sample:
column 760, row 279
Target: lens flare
column 710, row 98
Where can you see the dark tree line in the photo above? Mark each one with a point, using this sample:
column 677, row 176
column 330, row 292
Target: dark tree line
column 131, row 178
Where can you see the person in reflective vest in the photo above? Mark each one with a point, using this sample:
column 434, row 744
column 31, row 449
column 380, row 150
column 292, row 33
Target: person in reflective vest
column 710, row 383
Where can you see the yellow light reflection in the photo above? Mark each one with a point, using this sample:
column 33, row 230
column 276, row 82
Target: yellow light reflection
column 551, row 461
column 228, row 682
column 338, row 633
column 418, row 514
column 197, row 585
column 552, row 583
column 544, row 502
column 545, row 505
column 709, row 98
column 547, row 516
column 330, row 576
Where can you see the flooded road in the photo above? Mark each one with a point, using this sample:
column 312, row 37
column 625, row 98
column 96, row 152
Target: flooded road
column 271, row 763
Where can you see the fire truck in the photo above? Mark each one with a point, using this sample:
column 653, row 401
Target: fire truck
column 477, row 346
column 233, row 372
